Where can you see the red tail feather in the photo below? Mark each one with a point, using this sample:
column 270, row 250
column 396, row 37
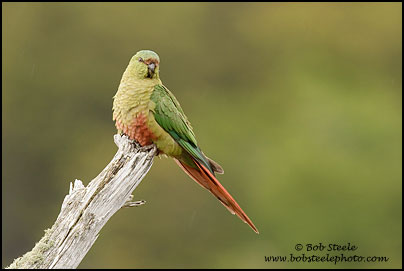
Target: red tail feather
column 206, row 179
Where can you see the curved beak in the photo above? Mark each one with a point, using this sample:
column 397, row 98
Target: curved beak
column 151, row 67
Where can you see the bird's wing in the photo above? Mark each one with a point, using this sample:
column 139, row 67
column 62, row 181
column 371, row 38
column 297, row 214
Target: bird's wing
column 170, row 116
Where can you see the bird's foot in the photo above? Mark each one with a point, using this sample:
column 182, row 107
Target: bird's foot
column 148, row 148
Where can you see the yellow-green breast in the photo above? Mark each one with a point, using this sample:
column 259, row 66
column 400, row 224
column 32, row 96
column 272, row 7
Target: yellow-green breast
column 133, row 116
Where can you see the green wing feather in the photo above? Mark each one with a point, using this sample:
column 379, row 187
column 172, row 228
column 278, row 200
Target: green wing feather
column 170, row 116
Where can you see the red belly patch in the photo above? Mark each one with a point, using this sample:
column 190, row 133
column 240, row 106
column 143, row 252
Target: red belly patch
column 138, row 130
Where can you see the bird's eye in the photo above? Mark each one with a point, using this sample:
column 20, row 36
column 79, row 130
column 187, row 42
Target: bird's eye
column 140, row 59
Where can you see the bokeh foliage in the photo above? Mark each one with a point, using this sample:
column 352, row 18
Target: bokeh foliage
column 300, row 103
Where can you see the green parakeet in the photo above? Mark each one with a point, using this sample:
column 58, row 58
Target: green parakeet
column 146, row 111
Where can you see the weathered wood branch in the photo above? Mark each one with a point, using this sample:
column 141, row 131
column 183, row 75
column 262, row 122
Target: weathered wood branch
column 85, row 210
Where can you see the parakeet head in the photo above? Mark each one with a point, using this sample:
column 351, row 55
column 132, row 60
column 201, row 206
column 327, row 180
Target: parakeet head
column 145, row 65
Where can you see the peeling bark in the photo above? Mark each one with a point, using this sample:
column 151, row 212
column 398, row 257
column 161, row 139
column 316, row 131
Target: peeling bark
column 85, row 210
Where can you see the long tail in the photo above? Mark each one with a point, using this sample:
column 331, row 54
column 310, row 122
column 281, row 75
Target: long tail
column 207, row 180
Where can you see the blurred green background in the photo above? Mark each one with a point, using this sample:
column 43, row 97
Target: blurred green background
column 299, row 102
